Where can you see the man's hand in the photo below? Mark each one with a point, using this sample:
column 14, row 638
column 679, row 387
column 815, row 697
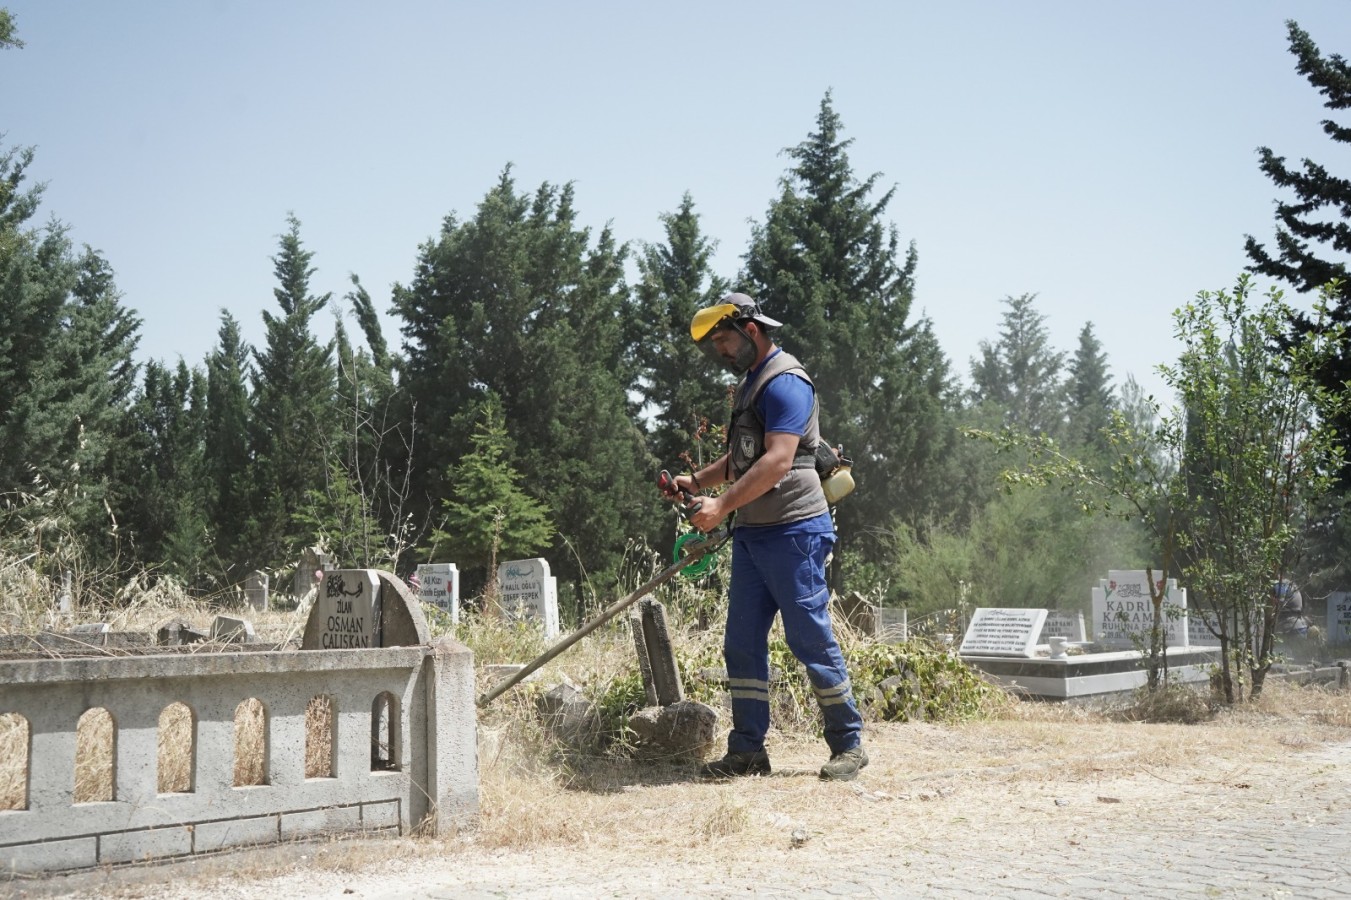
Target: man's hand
column 711, row 512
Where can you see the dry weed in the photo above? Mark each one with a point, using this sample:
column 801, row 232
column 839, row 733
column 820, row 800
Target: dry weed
column 95, row 757
column 14, row 744
column 250, row 743
column 730, row 816
column 175, row 742
column 319, row 737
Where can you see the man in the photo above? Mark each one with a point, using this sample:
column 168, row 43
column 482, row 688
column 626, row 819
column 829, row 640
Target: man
column 782, row 538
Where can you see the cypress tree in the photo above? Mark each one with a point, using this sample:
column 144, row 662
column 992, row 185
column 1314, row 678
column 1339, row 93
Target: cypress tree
column 826, row 264
column 687, row 396
column 293, row 408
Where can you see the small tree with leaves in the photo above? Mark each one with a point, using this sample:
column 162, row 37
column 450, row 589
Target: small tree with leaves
column 488, row 514
column 1245, row 459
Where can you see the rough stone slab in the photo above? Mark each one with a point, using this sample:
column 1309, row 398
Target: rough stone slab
column 317, row 821
column 138, row 846
column 50, row 856
column 235, row 833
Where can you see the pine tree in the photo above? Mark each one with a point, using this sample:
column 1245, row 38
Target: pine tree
column 513, row 302
column 1019, row 374
column 227, row 459
column 825, row 264
column 1319, row 215
column 487, row 517
column 165, row 509
column 1089, row 394
column 294, row 407
column 687, row 396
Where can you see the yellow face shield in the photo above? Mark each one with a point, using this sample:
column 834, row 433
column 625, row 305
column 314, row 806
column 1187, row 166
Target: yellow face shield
column 705, row 320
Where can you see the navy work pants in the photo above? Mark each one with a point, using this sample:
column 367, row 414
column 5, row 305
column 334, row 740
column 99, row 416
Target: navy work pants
column 783, row 574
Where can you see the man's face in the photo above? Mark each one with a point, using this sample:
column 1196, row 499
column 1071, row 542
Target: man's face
column 729, row 342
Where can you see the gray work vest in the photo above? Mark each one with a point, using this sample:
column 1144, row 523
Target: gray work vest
column 798, row 494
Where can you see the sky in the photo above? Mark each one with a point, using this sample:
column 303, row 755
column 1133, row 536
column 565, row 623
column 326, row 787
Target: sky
column 1099, row 155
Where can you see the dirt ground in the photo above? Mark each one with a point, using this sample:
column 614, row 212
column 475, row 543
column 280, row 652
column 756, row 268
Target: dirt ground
column 1049, row 801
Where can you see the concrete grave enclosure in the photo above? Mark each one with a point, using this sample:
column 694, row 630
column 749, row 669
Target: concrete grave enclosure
column 400, row 735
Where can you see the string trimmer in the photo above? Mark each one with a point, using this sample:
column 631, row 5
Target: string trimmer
column 695, row 551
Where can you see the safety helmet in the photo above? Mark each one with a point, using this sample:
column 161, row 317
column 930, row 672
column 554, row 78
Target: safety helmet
column 730, row 314
column 732, row 308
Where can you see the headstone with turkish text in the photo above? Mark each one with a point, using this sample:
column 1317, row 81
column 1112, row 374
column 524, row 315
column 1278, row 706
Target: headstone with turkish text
column 527, row 592
column 1069, row 625
column 1339, row 617
column 1123, row 613
column 1202, row 629
column 347, row 612
column 1003, row 632
column 439, row 586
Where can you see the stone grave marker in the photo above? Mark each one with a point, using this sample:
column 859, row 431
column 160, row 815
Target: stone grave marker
column 311, row 561
column 64, row 603
column 346, row 614
column 1202, row 629
column 1068, row 625
column 232, row 630
column 527, row 592
column 893, row 624
column 255, row 591
column 1003, row 632
column 1339, row 617
column 439, row 586
column 1123, row 611
column 858, row 612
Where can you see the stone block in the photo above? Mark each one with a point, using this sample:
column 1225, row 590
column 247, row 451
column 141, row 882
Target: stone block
column 50, row 856
column 141, row 846
column 239, row 832
column 682, row 729
column 320, row 821
column 177, row 633
column 232, row 630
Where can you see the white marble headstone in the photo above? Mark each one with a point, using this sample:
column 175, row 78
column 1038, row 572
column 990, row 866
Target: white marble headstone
column 1124, row 613
column 1069, row 625
column 439, row 586
column 1339, row 617
column 1003, row 632
column 527, row 592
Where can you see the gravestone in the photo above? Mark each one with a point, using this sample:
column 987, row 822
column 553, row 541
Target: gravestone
column 1068, row 625
column 312, row 561
column 858, row 613
column 893, row 625
column 93, row 629
column 364, row 608
column 527, row 592
column 1202, row 629
column 656, row 657
column 232, row 630
column 65, row 603
column 1339, row 617
column 346, row 614
column 1003, row 632
column 439, row 586
column 255, row 591
column 1123, row 612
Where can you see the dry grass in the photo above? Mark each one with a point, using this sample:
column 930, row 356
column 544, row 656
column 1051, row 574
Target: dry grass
column 14, row 744
column 928, row 785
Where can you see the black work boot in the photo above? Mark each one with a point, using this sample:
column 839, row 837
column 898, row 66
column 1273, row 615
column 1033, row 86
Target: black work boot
column 844, row 766
column 734, row 764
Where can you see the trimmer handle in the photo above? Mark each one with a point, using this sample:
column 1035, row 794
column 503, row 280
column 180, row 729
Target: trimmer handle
column 688, row 504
